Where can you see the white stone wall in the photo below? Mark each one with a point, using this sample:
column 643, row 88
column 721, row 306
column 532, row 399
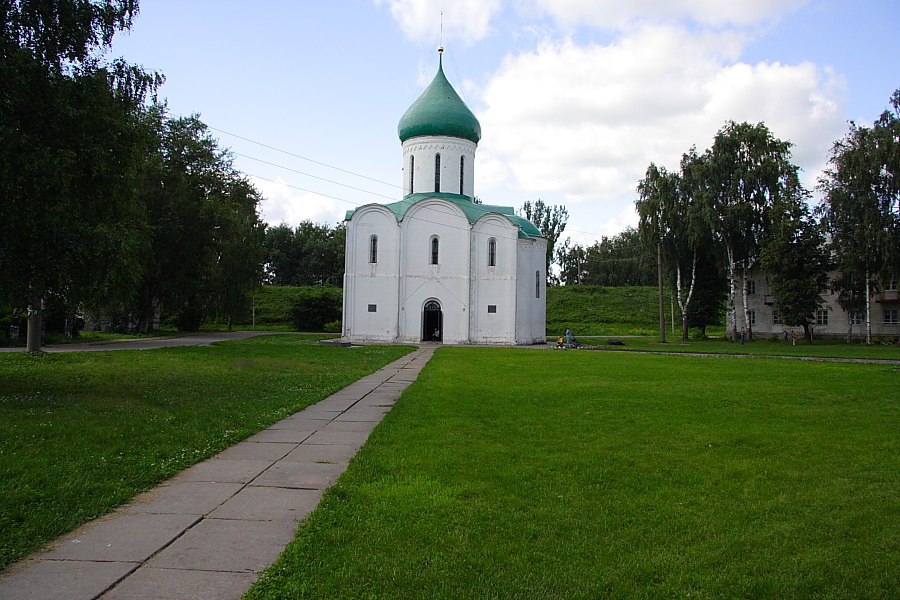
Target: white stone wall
column 368, row 283
column 424, row 150
column 531, row 291
column 447, row 282
column 493, row 285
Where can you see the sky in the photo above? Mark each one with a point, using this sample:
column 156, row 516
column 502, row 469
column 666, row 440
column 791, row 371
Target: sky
column 575, row 97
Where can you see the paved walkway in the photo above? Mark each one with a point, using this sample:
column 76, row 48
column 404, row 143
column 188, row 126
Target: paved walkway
column 206, row 533
column 194, row 339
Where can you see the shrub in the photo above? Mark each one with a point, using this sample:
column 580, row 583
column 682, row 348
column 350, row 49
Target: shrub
column 315, row 307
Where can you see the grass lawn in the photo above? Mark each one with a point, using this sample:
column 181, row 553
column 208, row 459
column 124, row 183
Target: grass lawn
column 83, row 432
column 541, row 474
column 819, row 348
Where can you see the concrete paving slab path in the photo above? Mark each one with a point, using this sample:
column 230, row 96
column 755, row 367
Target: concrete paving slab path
column 206, row 533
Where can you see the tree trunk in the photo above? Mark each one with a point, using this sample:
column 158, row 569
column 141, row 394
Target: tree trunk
column 33, row 339
column 687, row 302
column 868, row 311
column 744, row 302
column 732, row 308
column 807, row 333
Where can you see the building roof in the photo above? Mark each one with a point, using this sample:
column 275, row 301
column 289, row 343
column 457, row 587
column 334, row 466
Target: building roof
column 472, row 211
column 439, row 111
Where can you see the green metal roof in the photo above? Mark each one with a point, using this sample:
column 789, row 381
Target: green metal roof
column 472, row 211
column 439, row 111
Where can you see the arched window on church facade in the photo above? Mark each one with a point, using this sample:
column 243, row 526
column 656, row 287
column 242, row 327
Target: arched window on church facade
column 437, row 172
column 412, row 173
column 373, row 249
column 435, row 247
column 492, row 252
column 462, row 173
column 537, row 284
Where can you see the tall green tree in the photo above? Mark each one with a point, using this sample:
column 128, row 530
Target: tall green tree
column 743, row 175
column 205, row 254
column 551, row 220
column 796, row 262
column 619, row 260
column 71, row 144
column 310, row 254
column 672, row 215
column 710, row 291
column 862, row 209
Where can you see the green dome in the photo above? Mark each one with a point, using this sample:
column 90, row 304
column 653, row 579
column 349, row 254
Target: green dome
column 439, row 111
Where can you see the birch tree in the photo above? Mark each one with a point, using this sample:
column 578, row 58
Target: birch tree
column 671, row 216
column 745, row 172
column 862, row 209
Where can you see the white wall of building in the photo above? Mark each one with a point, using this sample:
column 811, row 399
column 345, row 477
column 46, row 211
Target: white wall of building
column 493, row 286
column 367, row 283
column 531, row 291
column 447, row 282
column 834, row 322
column 424, row 150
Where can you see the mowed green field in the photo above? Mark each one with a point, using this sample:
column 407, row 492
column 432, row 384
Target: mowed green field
column 83, row 432
column 512, row 473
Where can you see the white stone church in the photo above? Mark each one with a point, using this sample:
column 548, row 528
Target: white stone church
column 436, row 266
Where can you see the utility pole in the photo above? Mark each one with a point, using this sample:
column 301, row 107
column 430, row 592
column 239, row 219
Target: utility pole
column 662, row 305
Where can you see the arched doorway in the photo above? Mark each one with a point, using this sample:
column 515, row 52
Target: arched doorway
column 432, row 322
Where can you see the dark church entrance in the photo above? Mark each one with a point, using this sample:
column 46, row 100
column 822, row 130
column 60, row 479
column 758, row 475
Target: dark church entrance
column 432, row 322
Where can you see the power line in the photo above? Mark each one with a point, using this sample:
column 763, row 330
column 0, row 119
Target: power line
column 302, row 157
column 313, row 176
column 276, row 149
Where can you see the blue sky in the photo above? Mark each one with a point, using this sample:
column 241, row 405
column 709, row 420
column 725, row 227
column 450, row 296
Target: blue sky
column 575, row 97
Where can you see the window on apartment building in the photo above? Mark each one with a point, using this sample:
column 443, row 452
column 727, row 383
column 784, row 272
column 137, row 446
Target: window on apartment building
column 776, row 318
column 821, row 317
column 856, row 317
column 890, row 316
column 751, row 314
column 890, row 286
column 751, row 287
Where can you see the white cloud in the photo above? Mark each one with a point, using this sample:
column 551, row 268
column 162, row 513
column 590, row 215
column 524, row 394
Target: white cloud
column 584, row 122
column 470, row 20
column 467, row 20
column 283, row 204
column 617, row 14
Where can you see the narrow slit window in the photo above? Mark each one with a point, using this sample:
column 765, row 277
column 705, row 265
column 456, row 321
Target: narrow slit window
column 437, row 172
column 412, row 173
column 492, row 252
column 462, row 173
column 537, row 284
column 373, row 249
column 435, row 247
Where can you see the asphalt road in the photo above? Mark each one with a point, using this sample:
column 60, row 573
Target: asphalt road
column 198, row 339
